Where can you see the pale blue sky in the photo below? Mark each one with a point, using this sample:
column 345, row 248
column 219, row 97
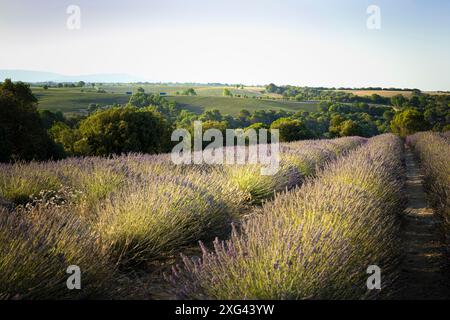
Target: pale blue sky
column 315, row 43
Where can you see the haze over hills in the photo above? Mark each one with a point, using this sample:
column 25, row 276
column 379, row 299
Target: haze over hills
column 41, row 76
column 44, row 76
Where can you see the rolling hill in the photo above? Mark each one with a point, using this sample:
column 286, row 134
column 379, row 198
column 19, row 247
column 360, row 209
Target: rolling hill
column 77, row 100
column 232, row 106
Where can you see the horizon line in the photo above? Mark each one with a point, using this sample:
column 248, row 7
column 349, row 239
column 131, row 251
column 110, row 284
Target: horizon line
column 148, row 81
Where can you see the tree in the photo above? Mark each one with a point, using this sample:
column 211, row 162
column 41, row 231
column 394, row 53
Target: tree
column 376, row 98
column 323, row 106
column 291, row 129
column 120, row 130
column 398, row 100
column 81, row 84
column 243, row 118
column 211, row 115
column 227, row 92
column 211, row 124
column 22, row 134
column 408, row 122
column 388, row 115
column 66, row 137
column 48, row 118
column 414, row 101
column 190, row 92
column 141, row 99
column 272, row 88
column 257, row 126
column 349, row 128
column 335, row 124
column 299, row 97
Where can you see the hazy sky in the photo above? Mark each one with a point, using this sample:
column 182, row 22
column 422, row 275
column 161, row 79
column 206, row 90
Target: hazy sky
column 315, row 43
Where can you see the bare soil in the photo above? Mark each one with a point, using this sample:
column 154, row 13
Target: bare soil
column 424, row 274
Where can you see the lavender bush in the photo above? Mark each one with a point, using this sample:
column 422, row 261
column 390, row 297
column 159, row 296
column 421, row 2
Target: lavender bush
column 162, row 214
column 298, row 161
column 37, row 244
column 313, row 243
column 100, row 213
column 433, row 151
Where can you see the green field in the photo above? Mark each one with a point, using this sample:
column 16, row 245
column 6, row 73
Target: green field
column 174, row 88
column 77, row 100
column 72, row 100
column 232, row 106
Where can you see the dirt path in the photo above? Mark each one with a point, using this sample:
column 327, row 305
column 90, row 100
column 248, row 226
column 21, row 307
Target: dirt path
column 423, row 274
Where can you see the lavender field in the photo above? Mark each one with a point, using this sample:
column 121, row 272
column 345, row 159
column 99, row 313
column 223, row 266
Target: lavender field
column 133, row 223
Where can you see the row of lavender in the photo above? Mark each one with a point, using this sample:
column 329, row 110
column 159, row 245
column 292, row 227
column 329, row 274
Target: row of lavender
column 108, row 216
column 314, row 242
column 433, row 150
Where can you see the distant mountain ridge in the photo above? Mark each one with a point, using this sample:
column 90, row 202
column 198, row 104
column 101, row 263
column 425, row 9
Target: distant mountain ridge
column 41, row 76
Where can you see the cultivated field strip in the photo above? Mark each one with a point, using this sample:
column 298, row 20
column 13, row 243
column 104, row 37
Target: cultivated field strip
column 314, row 242
column 108, row 216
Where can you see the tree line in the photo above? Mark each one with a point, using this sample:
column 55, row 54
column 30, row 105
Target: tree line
column 145, row 123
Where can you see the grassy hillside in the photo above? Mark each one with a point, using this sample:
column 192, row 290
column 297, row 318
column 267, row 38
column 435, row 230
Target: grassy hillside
column 216, row 91
column 232, row 106
column 74, row 100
